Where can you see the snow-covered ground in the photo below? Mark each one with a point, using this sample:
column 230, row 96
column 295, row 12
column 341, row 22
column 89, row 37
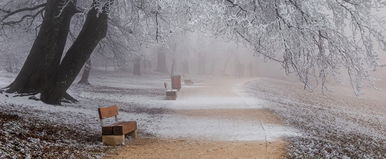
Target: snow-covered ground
column 334, row 125
column 146, row 93
column 209, row 128
column 321, row 126
column 140, row 99
column 175, row 126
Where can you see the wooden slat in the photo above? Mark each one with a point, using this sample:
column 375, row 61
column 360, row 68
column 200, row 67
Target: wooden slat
column 124, row 127
column 171, row 93
column 120, row 128
column 107, row 112
column 107, row 130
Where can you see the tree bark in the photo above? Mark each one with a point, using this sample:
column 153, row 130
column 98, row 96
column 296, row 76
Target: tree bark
column 86, row 73
column 173, row 68
column 137, row 66
column 47, row 50
column 161, row 62
column 147, row 65
column 94, row 30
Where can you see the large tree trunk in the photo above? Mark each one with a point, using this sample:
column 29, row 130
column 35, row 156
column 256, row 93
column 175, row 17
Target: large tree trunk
column 94, row 30
column 46, row 52
column 161, row 62
column 173, row 68
column 137, row 66
column 86, row 73
column 147, row 65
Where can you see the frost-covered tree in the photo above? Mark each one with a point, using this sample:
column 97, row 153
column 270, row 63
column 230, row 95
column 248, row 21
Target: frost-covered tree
column 313, row 38
column 45, row 71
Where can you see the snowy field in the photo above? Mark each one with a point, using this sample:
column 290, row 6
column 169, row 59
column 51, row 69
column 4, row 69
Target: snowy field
column 334, row 125
column 319, row 126
column 140, row 99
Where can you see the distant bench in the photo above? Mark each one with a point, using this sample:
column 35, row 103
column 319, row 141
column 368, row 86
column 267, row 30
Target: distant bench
column 188, row 82
column 114, row 134
column 171, row 94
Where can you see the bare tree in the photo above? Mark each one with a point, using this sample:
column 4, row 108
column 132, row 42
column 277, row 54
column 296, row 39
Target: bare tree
column 161, row 61
column 48, row 47
column 137, row 66
column 44, row 72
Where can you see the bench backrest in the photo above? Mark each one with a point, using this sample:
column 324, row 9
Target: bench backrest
column 107, row 112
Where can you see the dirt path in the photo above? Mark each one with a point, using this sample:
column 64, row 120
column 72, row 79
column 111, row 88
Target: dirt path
column 224, row 89
column 214, row 99
column 191, row 149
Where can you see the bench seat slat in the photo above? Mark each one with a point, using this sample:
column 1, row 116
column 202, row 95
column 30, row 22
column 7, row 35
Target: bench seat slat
column 119, row 128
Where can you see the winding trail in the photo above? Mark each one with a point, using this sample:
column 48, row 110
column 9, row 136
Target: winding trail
column 215, row 120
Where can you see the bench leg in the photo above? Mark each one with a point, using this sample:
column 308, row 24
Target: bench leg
column 113, row 140
column 133, row 134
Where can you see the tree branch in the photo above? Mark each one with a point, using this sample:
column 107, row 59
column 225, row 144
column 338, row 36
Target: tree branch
column 24, row 17
column 22, row 10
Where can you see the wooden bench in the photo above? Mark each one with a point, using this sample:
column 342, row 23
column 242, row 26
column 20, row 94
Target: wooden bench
column 188, row 82
column 176, row 82
column 114, row 134
column 171, row 94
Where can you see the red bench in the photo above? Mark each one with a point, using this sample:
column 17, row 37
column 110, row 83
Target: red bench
column 114, row 134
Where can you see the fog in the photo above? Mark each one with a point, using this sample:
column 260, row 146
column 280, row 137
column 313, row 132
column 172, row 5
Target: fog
column 196, row 79
column 195, row 53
